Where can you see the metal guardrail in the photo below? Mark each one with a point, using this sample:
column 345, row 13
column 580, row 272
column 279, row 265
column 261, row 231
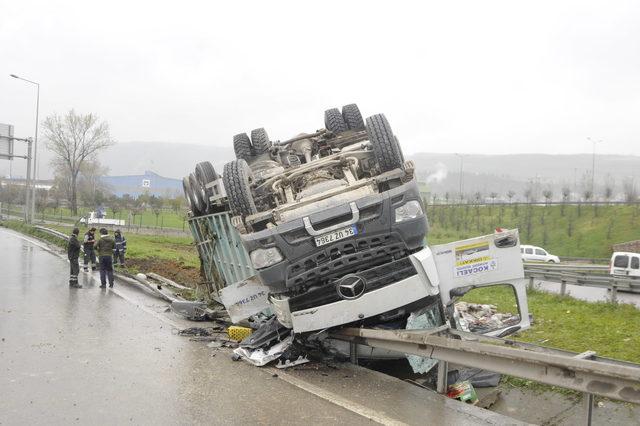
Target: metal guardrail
column 584, row 372
column 586, row 276
column 52, row 232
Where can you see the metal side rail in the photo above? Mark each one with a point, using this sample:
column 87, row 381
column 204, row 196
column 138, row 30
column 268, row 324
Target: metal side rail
column 583, row 372
column 608, row 282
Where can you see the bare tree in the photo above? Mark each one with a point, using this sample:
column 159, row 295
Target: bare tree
column 630, row 190
column 608, row 188
column 548, row 195
column 74, row 139
column 510, row 194
column 566, row 194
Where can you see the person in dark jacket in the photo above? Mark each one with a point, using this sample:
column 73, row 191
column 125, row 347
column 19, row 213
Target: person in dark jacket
column 121, row 248
column 73, row 253
column 89, row 252
column 104, row 247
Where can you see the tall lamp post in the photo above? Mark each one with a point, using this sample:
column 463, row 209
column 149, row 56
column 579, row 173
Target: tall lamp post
column 593, row 166
column 35, row 148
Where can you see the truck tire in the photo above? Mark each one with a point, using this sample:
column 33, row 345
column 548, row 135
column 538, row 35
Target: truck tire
column 334, row 122
column 197, row 196
column 385, row 145
column 205, row 174
column 242, row 146
column 236, row 180
column 186, row 187
column 353, row 118
column 260, row 141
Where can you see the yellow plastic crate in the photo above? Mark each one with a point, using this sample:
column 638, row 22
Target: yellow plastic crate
column 238, row 333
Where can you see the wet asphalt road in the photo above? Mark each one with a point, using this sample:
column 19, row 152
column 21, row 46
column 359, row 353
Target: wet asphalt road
column 93, row 356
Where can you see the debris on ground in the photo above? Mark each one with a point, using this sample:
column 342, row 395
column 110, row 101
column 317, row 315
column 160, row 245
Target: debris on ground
column 259, row 356
column 463, row 391
column 195, row 331
column 477, row 377
column 289, row 363
column 483, row 318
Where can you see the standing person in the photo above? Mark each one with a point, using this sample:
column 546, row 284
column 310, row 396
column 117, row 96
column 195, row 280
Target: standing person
column 121, row 248
column 89, row 252
column 73, row 253
column 105, row 246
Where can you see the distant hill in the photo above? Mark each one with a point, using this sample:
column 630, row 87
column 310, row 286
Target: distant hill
column 484, row 173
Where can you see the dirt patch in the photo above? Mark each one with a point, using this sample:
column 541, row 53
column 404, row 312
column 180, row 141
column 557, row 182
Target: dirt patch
column 176, row 271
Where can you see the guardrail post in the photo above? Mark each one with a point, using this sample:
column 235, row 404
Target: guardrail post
column 614, row 292
column 587, row 400
column 563, row 287
column 443, row 373
column 353, row 353
column 531, row 283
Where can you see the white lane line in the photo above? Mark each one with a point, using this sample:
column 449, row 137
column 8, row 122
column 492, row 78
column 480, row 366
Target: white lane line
column 338, row 400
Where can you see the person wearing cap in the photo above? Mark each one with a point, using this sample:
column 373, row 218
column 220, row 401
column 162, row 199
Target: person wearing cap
column 121, row 248
column 89, row 252
column 73, row 253
column 104, row 247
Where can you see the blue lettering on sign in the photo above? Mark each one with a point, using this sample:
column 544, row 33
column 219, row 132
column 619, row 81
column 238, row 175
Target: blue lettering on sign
column 462, row 271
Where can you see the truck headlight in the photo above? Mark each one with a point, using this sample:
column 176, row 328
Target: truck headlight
column 261, row 258
column 409, row 210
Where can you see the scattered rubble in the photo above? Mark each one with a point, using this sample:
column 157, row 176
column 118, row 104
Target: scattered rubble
column 481, row 318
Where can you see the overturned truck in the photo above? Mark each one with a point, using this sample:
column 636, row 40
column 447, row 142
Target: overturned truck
column 328, row 228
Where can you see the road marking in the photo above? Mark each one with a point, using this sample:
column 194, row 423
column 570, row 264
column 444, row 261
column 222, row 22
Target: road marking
column 338, row 400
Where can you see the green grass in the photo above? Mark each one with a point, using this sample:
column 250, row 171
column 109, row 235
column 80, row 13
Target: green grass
column 179, row 249
column 584, row 231
column 147, row 218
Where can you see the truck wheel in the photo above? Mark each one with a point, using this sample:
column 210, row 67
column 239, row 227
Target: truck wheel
column 385, row 145
column 242, row 146
column 260, row 141
column 334, row 122
column 353, row 118
column 197, row 195
column 205, row 174
column 236, row 178
column 186, row 187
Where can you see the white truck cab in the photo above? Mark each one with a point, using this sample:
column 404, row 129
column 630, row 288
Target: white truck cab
column 625, row 264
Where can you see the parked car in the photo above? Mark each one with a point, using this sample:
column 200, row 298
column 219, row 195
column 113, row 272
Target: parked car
column 537, row 254
column 625, row 264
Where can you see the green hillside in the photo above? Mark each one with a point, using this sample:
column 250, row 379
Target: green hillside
column 569, row 230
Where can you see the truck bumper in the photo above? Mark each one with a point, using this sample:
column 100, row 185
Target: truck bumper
column 372, row 303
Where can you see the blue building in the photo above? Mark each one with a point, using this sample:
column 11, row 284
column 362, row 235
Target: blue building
column 148, row 183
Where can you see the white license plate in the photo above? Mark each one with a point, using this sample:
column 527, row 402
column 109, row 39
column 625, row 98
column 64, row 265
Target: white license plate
column 336, row 235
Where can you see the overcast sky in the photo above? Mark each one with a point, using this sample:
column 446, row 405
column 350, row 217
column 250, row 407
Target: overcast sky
column 478, row 76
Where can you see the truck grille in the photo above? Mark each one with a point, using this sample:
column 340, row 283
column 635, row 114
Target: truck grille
column 376, row 277
column 344, row 257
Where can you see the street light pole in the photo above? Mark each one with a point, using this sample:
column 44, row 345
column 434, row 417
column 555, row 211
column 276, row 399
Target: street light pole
column 35, row 147
column 593, row 167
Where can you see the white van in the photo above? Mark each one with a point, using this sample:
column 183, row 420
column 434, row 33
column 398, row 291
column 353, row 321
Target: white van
column 625, row 264
column 537, row 254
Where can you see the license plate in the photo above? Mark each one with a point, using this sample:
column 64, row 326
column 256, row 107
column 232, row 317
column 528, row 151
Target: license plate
column 336, row 235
